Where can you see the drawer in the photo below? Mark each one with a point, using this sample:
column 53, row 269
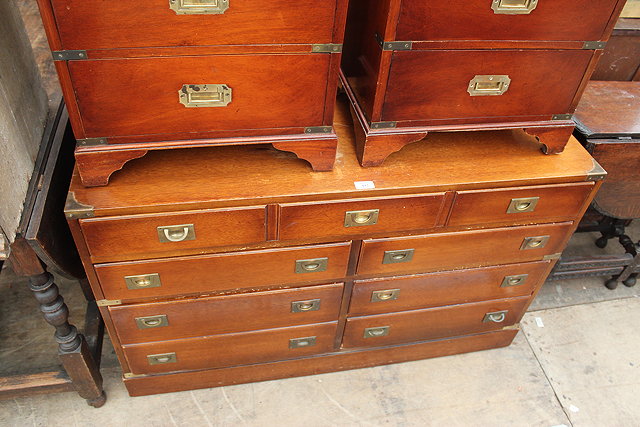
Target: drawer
column 478, row 20
column 433, row 323
column 125, row 97
column 522, row 205
column 231, row 349
column 162, row 23
column 131, row 237
column 376, row 296
column 221, row 272
column 446, row 251
column 161, row 321
column 435, row 84
column 357, row 217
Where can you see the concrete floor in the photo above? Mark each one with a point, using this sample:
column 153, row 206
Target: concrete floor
column 575, row 363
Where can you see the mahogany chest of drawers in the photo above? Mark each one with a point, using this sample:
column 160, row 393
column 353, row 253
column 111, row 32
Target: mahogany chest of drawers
column 165, row 74
column 274, row 272
column 415, row 67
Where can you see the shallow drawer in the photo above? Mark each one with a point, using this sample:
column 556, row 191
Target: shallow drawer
column 357, row 217
column 160, row 23
column 547, row 203
column 487, row 20
column 376, row 296
column 437, row 84
column 226, row 271
column 463, row 249
column 129, row 237
column 133, row 97
column 231, row 349
column 226, row 314
column 433, row 323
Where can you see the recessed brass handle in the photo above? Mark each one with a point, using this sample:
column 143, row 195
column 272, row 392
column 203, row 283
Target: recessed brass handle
column 385, row 295
column 378, row 331
column 302, row 342
column 149, row 322
column 361, row 218
column 143, row 281
column 522, row 205
column 495, row 317
column 303, row 306
column 314, row 265
column 160, row 359
column 534, row 242
column 488, row 85
column 198, row 7
column 205, row 95
column 513, row 7
column 514, row 280
column 394, row 257
column 176, row 233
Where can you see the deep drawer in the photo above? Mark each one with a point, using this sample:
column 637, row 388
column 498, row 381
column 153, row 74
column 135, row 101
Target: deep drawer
column 161, row 321
column 433, row 323
column 482, row 20
column 522, row 205
column 226, row 271
column 358, row 217
column 130, row 237
column 230, row 349
column 463, row 249
column 133, row 97
column 376, row 296
column 435, row 84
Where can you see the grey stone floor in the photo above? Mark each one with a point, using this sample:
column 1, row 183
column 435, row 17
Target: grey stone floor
column 575, row 363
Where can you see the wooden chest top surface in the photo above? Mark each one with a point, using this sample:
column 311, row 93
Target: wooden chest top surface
column 192, row 178
column 609, row 109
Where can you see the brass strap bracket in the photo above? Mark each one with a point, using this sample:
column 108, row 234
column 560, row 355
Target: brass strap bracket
column 69, row 55
column 383, row 125
column 562, row 117
column 108, row 302
column 76, row 210
column 91, row 142
column 597, row 173
column 128, row 375
column 511, row 327
column 552, row 256
column 594, row 45
column 326, row 48
column 318, row 129
column 406, row 45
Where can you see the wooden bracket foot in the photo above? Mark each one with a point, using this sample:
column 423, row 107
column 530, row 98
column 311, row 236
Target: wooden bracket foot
column 95, row 167
column 553, row 139
column 320, row 153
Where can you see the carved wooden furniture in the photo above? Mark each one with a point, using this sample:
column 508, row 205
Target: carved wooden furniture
column 191, row 73
column 415, row 67
column 282, row 274
column 608, row 124
column 43, row 241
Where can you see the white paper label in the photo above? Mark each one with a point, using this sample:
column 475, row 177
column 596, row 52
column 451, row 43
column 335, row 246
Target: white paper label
column 364, row 185
column 539, row 322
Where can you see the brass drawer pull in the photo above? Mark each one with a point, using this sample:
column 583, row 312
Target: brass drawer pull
column 523, row 205
column 378, row 331
column 160, row 359
column 495, row 317
column 312, row 265
column 386, row 295
column 513, row 7
column 149, row 322
column 302, row 306
column 207, row 95
column 488, row 85
column 515, row 280
column 198, row 7
column 535, row 242
column 302, row 342
column 143, row 281
column 394, row 257
column 361, row 218
column 176, row 233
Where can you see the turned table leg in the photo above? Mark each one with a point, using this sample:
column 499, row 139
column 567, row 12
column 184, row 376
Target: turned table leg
column 72, row 348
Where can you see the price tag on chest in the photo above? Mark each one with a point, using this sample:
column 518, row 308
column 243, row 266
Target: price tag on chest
column 364, row 185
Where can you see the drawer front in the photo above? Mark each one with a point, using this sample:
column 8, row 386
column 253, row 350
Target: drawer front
column 232, row 349
column 130, row 237
column 434, row 323
column 478, row 20
column 161, row 321
column 123, row 97
column 161, row 23
column 520, row 205
column 365, row 216
column 435, row 84
column 222, row 272
column 464, row 249
column 446, row 288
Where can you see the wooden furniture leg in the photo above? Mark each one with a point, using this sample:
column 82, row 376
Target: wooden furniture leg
column 95, row 167
column 320, row 153
column 553, row 139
